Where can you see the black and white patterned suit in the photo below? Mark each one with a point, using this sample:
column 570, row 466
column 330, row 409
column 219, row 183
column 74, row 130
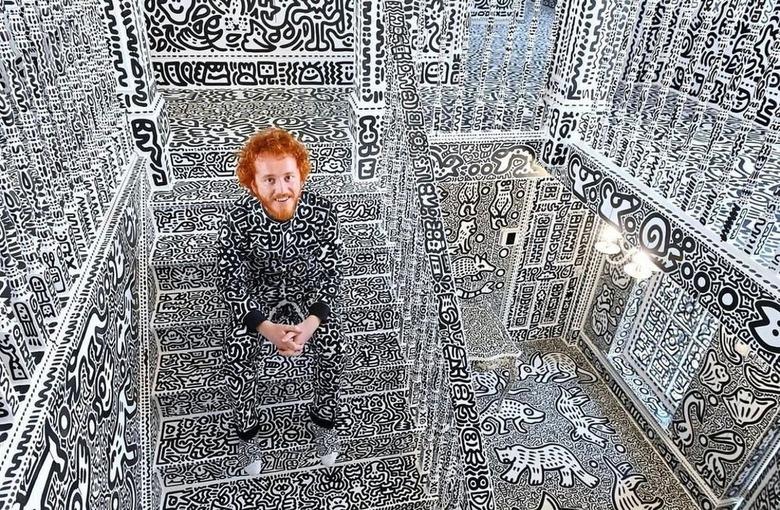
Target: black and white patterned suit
column 281, row 271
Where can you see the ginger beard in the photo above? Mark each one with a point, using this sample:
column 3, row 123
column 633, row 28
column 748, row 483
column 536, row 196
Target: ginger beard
column 278, row 186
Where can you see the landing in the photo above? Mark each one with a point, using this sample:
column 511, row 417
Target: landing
column 575, row 447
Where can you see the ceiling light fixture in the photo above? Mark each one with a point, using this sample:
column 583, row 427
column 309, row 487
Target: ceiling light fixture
column 636, row 263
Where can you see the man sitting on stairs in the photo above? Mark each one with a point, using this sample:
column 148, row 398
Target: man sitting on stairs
column 280, row 272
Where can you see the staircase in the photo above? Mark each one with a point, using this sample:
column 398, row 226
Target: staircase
column 197, row 457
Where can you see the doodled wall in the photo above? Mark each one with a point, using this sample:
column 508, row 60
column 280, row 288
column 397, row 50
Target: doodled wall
column 737, row 53
column 518, row 240
column 729, row 408
column 240, row 42
column 79, row 444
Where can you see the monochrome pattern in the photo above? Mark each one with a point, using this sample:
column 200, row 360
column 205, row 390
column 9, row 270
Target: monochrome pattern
column 218, row 43
column 516, row 238
column 577, row 449
column 726, row 291
column 282, row 272
column 81, row 417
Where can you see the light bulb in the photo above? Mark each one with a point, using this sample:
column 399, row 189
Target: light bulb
column 640, row 267
column 607, row 243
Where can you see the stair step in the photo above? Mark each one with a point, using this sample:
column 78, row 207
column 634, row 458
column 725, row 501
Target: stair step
column 182, row 310
column 208, row 218
column 371, row 484
column 213, row 159
column 195, row 369
column 203, row 436
column 188, row 261
column 184, row 211
column 186, row 380
column 229, row 134
column 276, row 461
column 184, row 113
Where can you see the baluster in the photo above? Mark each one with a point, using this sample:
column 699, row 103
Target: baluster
column 738, row 209
column 561, row 9
column 701, row 199
column 631, row 79
column 486, row 54
column 647, row 171
column 525, row 71
column 677, row 177
column 458, row 107
column 660, row 56
column 518, row 9
column 629, row 12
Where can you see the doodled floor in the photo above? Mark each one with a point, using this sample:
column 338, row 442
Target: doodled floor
column 560, row 441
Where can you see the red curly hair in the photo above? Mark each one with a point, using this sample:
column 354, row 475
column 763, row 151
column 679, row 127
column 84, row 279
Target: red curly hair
column 275, row 142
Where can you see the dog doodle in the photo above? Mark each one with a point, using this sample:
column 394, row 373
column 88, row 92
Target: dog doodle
column 538, row 460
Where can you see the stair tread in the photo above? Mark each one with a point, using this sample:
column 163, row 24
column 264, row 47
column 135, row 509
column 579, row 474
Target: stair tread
column 173, row 249
column 198, row 437
column 205, row 95
column 371, row 484
column 197, row 192
column 229, row 135
column 198, row 369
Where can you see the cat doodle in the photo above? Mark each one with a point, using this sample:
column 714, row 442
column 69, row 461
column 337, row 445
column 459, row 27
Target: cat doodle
column 537, row 460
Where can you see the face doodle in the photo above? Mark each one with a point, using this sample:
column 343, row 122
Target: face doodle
column 277, row 185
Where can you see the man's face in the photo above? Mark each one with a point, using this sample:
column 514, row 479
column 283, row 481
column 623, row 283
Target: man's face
column 278, row 185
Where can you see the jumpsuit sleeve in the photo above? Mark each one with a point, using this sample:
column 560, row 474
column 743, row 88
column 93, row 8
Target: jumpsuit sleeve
column 234, row 277
column 330, row 258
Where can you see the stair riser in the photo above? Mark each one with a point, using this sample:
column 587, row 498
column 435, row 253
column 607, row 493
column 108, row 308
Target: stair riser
column 201, row 274
column 207, row 216
column 355, row 321
column 382, row 483
column 195, row 164
column 281, row 427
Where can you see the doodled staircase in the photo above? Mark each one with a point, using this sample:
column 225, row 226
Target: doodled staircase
column 197, row 457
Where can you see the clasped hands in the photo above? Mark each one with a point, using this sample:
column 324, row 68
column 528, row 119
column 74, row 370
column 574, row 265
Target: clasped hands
column 289, row 339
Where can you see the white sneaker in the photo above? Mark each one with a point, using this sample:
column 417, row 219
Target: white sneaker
column 329, row 460
column 327, row 443
column 254, row 468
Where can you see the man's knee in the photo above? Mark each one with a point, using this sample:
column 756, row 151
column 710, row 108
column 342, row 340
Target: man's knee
column 240, row 347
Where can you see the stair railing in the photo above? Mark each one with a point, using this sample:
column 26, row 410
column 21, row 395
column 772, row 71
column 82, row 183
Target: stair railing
column 451, row 463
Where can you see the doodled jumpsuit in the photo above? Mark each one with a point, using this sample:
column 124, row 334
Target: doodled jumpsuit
column 281, row 271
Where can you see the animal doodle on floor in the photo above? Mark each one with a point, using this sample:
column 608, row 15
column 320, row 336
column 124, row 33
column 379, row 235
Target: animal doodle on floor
column 625, row 486
column 713, row 466
column 693, row 406
column 509, row 411
column 487, row 383
column 538, row 460
column 501, row 205
column 554, row 367
column 569, row 404
column 471, row 267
